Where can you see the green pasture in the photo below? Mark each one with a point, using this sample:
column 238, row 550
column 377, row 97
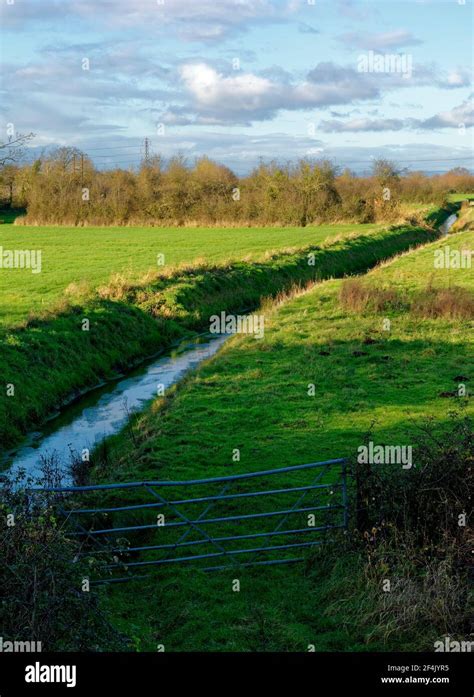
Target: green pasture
column 253, row 396
column 92, row 255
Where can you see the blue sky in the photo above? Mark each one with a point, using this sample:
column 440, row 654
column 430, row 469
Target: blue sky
column 242, row 79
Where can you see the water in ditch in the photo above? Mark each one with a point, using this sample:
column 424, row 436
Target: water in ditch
column 104, row 411
column 448, row 223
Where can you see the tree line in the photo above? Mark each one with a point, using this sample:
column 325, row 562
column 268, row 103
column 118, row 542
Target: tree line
column 66, row 188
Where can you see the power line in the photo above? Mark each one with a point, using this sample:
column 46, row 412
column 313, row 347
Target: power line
column 147, row 144
column 368, row 162
column 116, row 162
column 97, row 157
column 436, row 159
column 455, row 159
column 106, row 147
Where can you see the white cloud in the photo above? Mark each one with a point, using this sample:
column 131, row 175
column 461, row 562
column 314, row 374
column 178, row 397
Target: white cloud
column 360, row 125
column 460, row 115
column 246, row 97
column 460, row 77
column 381, row 41
column 194, row 20
column 211, row 89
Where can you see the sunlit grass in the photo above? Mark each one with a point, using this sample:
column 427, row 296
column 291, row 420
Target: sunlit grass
column 254, row 396
column 92, row 255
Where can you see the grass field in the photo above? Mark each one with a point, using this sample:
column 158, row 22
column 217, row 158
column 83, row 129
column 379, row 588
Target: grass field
column 93, row 255
column 456, row 198
column 424, row 355
column 51, row 358
column 254, row 396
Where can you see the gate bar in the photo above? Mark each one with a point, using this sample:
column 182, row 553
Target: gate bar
column 189, row 482
column 154, row 562
column 232, row 538
column 204, row 499
column 209, row 520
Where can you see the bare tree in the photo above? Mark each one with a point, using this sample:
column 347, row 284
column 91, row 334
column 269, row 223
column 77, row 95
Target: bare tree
column 386, row 172
column 13, row 149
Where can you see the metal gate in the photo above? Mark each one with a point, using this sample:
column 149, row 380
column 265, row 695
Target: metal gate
column 240, row 520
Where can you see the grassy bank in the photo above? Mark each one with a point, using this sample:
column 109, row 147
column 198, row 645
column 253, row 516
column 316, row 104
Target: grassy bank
column 465, row 219
column 88, row 256
column 369, row 376
column 51, row 357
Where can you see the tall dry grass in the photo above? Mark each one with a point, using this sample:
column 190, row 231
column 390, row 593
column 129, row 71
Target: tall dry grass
column 450, row 303
column 453, row 302
column 357, row 296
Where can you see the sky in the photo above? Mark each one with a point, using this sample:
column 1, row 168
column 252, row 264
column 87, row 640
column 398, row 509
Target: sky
column 243, row 80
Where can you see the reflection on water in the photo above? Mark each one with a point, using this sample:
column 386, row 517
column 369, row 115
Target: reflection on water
column 448, row 223
column 105, row 411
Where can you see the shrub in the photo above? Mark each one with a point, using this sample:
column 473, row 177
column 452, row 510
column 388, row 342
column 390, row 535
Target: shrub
column 175, row 192
column 452, row 303
column 428, row 596
column 427, row 499
column 42, row 589
column 408, row 527
column 357, row 296
column 431, row 303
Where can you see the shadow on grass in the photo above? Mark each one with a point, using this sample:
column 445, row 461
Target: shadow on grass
column 52, row 358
